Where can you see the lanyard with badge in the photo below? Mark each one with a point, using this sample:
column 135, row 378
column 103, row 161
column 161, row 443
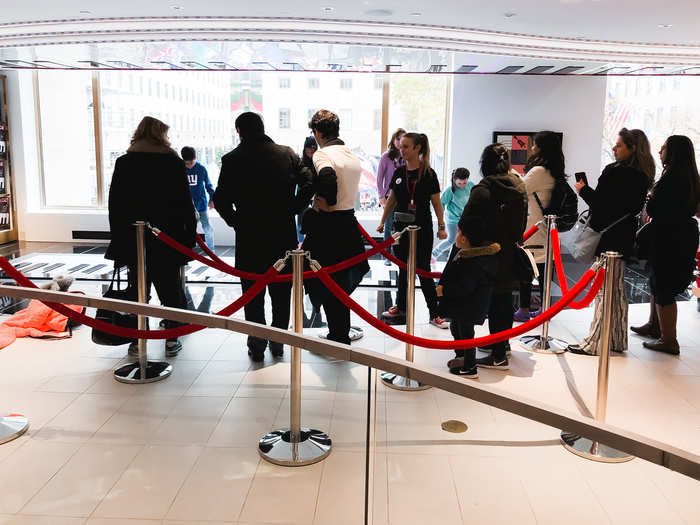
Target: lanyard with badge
column 410, row 217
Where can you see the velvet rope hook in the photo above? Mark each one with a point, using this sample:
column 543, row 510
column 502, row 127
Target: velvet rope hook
column 132, row 333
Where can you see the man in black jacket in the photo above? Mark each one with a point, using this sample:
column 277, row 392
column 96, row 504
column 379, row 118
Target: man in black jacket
column 257, row 196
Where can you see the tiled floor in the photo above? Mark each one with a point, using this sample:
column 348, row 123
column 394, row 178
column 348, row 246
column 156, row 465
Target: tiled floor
column 183, row 451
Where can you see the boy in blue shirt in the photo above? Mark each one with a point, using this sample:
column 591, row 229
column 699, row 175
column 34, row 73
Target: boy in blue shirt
column 198, row 178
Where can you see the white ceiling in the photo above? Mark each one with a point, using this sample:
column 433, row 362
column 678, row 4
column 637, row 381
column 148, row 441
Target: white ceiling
column 613, row 20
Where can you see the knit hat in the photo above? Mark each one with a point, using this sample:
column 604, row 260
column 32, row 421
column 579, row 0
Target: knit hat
column 474, row 229
column 310, row 142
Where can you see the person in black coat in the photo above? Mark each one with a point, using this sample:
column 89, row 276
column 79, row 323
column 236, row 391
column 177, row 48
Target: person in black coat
column 150, row 184
column 673, row 240
column 620, row 194
column 500, row 199
column 262, row 186
column 465, row 288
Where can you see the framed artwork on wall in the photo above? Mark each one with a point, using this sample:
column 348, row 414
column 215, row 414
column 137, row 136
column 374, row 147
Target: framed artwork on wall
column 519, row 144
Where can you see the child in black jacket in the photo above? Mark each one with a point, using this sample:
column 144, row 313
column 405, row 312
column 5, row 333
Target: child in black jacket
column 465, row 288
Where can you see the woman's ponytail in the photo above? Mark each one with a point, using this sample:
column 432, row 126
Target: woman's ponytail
column 421, row 139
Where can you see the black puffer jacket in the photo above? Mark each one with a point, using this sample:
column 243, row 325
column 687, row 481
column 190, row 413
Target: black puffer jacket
column 501, row 202
column 467, row 283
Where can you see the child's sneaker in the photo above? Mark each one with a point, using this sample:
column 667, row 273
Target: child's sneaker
column 393, row 313
column 471, row 373
column 440, row 323
column 535, row 313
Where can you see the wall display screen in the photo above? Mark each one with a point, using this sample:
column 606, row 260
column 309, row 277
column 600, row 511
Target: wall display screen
column 519, row 145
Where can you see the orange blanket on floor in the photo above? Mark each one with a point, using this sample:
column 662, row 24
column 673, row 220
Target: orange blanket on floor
column 36, row 320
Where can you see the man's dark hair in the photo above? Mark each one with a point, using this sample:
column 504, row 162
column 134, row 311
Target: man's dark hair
column 326, row 123
column 188, row 153
column 249, row 125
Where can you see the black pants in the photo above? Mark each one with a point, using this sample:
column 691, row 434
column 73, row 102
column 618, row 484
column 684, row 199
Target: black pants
column 464, row 329
column 526, row 288
column 500, row 318
column 423, row 254
column 168, row 284
column 280, row 295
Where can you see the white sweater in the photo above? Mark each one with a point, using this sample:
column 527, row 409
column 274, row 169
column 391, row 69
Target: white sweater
column 539, row 180
column 347, row 170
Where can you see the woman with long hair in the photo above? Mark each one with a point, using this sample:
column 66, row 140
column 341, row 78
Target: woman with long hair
column 454, row 199
column 673, row 240
column 544, row 168
column 150, row 184
column 614, row 204
column 413, row 189
column 391, row 160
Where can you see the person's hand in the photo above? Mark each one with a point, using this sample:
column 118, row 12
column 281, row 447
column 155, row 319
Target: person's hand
column 211, row 205
column 438, row 290
column 380, row 228
column 382, row 201
column 578, row 185
column 442, row 235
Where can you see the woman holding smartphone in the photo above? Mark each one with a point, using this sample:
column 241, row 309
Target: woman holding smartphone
column 413, row 189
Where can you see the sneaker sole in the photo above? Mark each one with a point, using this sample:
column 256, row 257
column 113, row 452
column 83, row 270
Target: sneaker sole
column 495, row 367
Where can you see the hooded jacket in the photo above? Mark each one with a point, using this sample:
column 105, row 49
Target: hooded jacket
column 150, row 184
column 468, row 281
column 501, row 202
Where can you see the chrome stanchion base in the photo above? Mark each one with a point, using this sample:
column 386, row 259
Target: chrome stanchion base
column 398, row 382
column 131, row 372
column 12, row 426
column 593, row 450
column 277, row 448
column 535, row 343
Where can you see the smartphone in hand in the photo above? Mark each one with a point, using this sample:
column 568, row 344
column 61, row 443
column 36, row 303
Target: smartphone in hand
column 581, row 176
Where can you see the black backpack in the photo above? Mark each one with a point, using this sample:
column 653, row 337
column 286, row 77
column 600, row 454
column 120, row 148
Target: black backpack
column 563, row 204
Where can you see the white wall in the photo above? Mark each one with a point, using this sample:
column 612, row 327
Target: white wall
column 572, row 105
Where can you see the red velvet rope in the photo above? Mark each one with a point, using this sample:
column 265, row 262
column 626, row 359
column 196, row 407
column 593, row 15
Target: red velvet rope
column 395, row 260
column 561, row 276
column 463, row 343
column 170, row 333
column 352, row 261
column 532, row 231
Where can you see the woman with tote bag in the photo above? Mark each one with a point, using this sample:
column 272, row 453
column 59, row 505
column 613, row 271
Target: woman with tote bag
column 620, row 194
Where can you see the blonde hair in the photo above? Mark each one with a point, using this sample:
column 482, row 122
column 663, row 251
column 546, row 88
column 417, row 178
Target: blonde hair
column 152, row 130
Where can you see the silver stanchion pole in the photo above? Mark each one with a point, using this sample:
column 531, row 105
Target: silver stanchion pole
column 543, row 343
column 388, row 378
column 143, row 371
column 579, row 445
column 12, row 426
column 296, row 446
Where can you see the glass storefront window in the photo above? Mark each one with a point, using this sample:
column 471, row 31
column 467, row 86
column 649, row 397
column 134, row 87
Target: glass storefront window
column 67, row 138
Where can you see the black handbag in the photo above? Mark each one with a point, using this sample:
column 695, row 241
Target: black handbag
column 124, row 320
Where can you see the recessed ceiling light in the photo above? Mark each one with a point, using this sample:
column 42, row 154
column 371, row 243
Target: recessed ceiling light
column 177, row 7
column 416, row 14
column 509, row 15
column 328, row 9
column 379, row 12
column 85, row 12
column 665, row 26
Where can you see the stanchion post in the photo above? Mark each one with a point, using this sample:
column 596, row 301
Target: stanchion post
column 143, row 371
column 543, row 343
column 390, row 379
column 579, row 445
column 296, row 446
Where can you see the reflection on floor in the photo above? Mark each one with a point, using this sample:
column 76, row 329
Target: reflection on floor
column 183, row 451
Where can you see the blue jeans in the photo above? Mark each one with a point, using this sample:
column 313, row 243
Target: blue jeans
column 206, row 227
column 447, row 243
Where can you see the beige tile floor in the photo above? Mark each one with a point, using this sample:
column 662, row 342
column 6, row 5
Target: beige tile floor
column 183, row 451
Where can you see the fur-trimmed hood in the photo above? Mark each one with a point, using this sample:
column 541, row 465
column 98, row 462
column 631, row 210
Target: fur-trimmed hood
column 478, row 251
column 146, row 146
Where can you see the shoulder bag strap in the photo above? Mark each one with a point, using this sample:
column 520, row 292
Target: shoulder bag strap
column 615, row 223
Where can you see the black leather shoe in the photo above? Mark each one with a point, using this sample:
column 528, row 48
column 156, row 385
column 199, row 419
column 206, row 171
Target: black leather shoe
column 276, row 349
column 256, row 356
